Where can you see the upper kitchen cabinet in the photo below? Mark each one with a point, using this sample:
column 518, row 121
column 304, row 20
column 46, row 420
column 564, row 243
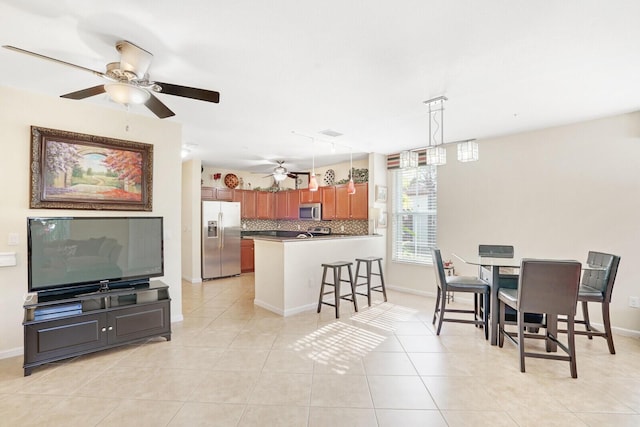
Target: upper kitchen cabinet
column 351, row 206
column 265, row 205
column 328, row 198
column 247, row 199
column 213, row 193
column 307, row 196
column 287, row 203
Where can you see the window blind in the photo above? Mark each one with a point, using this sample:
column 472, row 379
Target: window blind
column 414, row 214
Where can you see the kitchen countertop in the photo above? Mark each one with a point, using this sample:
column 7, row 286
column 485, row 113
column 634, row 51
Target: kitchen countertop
column 288, row 235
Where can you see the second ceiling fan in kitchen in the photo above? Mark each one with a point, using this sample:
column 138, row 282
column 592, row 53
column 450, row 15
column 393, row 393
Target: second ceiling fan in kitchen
column 280, row 173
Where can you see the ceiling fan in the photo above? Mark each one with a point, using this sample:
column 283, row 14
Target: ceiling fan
column 280, row 172
column 128, row 81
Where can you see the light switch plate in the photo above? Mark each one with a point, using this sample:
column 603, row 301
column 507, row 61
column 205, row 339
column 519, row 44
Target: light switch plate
column 14, row 239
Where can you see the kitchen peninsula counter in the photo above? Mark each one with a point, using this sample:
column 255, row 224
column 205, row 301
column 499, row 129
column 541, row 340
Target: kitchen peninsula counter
column 288, row 270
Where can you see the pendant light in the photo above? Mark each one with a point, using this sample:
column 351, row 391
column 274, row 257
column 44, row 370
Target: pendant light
column 436, row 154
column 351, row 187
column 313, row 182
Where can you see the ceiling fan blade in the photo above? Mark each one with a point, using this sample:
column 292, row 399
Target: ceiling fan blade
column 48, row 58
column 292, row 175
column 85, row 93
column 158, row 108
column 189, row 92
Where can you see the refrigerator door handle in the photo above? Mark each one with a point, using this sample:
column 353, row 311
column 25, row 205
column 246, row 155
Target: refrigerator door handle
column 221, row 222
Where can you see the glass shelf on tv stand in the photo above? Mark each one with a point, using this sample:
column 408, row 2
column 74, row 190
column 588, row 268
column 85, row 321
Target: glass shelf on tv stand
column 100, row 300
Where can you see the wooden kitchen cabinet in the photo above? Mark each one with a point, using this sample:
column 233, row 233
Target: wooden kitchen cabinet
column 207, row 193
column 328, row 200
column 247, row 263
column 247, row 199
column 213, row 193
column 359, row 202
column 287, row 203
column 307, row 196
column 354, row 206
column 225, row 194
column 265, row 205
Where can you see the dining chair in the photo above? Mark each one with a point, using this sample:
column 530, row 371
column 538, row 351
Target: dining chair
column 549, row 287
column 597, row 286
column 457, row 284
column 495, row 251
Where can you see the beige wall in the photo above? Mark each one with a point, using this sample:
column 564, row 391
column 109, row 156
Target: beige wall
column 553, row 193
column 18, row 111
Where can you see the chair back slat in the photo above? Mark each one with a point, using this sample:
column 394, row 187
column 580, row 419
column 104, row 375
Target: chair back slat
column 549, row 286
column 495, row 251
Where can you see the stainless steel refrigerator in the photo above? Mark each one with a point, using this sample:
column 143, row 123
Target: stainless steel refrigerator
column 220, row 239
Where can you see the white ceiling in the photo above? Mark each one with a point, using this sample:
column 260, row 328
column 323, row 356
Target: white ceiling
column 359, row 67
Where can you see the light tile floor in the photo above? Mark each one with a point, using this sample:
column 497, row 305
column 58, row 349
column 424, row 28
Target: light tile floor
column 233, row 364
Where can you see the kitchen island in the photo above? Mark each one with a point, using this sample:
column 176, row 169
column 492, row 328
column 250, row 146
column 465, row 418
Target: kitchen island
column 288, row 270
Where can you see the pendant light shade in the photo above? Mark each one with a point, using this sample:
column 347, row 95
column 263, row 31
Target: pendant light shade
column 351, row 187
column 313, row 182
column 468, row 151
column 408, row 159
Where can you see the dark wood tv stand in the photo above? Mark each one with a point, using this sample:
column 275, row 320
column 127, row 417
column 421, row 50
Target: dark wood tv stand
column 76, row 325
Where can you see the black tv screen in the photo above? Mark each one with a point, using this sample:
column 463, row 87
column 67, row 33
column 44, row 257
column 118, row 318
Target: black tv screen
column 66, row 253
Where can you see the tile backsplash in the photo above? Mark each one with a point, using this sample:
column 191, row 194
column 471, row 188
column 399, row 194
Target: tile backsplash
column 355, row 227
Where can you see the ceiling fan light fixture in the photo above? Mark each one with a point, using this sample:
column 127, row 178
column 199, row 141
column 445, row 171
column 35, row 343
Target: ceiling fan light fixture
column 126, row 94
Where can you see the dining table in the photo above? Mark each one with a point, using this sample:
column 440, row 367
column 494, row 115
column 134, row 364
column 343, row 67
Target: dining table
column 499, row 273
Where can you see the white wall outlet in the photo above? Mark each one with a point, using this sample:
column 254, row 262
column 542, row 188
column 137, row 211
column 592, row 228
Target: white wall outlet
column 14, row 239
column 634, row 302
column 298, row 226
column 342, row 228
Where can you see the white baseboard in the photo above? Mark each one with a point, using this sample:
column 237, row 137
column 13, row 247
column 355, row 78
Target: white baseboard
column 411, row 291
column 284, row 313
column 192, row 279
column 13, row 352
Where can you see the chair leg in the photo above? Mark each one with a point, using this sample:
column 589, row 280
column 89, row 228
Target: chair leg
column 435, row 310
column 353, row 290
column 443, row 303
column 607, row 326
column 521, row 338
column 324, row 276
column 369, row 266
column 475, row 307
column 337, row 273
column 501, row 324
column 585, row 314
column 485, row 317
column 572, row 346
column 384, row 289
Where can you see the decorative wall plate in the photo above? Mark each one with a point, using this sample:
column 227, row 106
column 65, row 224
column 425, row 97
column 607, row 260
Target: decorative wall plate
column 231, row 180
column 329, row 177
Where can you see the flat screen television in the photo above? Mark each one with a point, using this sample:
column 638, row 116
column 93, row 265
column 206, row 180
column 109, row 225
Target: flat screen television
column 73, row 255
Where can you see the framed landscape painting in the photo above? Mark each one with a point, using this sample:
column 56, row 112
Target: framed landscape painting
column 77, row 171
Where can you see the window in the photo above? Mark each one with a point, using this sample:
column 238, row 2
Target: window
column 414, row 210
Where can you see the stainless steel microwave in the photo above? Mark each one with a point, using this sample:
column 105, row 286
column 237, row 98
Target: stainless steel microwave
column 310, row 212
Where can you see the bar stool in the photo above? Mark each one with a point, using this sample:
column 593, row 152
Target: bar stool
column 368, row 261
column 337, row 279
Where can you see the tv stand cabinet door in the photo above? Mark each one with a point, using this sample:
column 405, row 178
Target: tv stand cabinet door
column 52, row 340
column 138, row 322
